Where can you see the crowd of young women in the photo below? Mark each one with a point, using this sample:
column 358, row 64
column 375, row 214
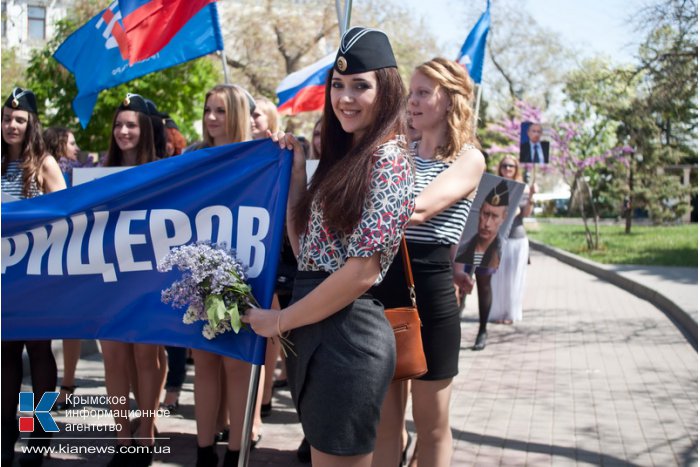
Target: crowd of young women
column 344, row 226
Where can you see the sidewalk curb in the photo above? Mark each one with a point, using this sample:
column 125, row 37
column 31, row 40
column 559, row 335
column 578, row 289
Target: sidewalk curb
column 683, row 321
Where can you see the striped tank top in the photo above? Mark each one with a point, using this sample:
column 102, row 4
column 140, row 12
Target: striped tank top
column 446, row 227
column 12, row 182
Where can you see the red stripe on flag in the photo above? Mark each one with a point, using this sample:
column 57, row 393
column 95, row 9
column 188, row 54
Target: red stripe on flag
column 152, row 26
column 308, row 99
column 118, row 34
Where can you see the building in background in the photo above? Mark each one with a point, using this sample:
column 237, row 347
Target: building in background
column 28, row 24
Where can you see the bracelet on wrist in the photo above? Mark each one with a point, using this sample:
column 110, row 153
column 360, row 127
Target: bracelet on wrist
column 279, row 329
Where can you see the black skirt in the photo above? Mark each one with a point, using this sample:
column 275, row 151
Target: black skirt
column 437, row 304
column 341, row 373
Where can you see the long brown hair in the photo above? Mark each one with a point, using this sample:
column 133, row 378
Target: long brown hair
column 56, row 140
column 454, row 80
column 342, row 179
column 31, row 155
column 145, row 149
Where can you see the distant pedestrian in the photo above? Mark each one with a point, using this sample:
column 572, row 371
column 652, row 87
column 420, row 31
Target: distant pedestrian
column 508, row 283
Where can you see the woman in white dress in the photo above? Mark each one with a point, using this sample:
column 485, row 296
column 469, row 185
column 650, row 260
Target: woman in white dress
column 508, row 283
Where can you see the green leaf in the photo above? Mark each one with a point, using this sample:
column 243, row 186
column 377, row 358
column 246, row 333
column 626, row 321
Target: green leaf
column 236, row 323
column 216, row 310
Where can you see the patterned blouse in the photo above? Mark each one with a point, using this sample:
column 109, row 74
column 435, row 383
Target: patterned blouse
column 387, row 209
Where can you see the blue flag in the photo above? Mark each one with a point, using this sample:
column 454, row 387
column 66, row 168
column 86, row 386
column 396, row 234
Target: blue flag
column 472, row 53
column 81, row 263
column 98, row 53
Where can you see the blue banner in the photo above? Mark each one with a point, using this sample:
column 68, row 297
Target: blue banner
column 98, row 53
column 474, row 48
column 81, row 263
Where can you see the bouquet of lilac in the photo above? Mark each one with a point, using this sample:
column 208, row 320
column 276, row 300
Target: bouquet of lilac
column 213, row 286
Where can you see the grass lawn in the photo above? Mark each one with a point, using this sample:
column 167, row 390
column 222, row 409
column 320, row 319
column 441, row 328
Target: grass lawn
column 647, row 245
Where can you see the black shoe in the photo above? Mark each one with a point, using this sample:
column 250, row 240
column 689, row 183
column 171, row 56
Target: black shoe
column 222, row 436
column 35, row 459
column 231, row 458
column 141, row 459
column 280, row 383
column 304, row 452
column 254, row 442
column 171, row 408
column 207, row 457
column 404, row 454
column 121, row 458
column 480, row 343
column 265, row 409
column 9, row 434
column 69, row 390
column 31, row 459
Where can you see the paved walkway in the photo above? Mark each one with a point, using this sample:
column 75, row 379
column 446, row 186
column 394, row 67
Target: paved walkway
column 679, row 284
column 593, row 375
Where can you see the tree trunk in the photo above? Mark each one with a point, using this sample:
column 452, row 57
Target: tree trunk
column 582, row 206
column 629, row 204
column 596, row 218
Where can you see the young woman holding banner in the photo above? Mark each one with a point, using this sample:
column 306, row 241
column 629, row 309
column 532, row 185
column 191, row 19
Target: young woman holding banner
column 346, row 229
column 132, row 144
column 27, row 171
column 226, row 120
column 448, row 169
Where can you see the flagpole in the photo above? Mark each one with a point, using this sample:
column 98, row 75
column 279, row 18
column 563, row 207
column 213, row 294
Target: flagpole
column 343, row 18
column 476, row 107
column 248, row 420
column 227, row 78
column 348, row 8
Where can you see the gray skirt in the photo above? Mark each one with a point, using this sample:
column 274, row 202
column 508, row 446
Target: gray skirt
column 341, row 373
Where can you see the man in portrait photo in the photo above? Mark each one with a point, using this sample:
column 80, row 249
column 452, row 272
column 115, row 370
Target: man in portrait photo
column 483, row 250
column 533, row 149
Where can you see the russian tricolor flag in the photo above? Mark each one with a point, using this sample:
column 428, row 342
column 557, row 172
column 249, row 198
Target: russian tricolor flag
column 149, row 25
column 303, row 90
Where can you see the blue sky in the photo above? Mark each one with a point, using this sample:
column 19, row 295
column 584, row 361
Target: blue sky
column 591, row 26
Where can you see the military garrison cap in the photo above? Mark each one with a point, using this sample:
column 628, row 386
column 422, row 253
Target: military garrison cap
column 364, row 49
column 136, row 103
column 22, row 99
column 498, row 196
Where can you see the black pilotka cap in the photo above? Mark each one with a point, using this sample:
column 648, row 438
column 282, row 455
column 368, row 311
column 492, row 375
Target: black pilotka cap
column 169, row 122
column 22, row 99
column 364, row 49
column 498, row 196
column 136, row 103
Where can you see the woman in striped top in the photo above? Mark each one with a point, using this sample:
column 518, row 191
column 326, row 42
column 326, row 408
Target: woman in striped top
column 27, row 171
column 448, row 169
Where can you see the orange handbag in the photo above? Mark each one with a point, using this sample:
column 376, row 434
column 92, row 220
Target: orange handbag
column 410, row 359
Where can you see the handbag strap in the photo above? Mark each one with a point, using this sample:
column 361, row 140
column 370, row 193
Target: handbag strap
column 408, row 272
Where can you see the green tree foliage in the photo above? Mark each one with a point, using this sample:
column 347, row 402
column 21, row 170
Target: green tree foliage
column 12, row 71
column 178, row 90
column 652, row 109
column 595, row 85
